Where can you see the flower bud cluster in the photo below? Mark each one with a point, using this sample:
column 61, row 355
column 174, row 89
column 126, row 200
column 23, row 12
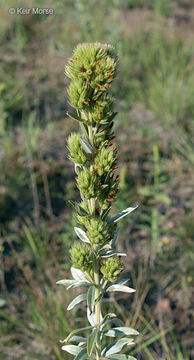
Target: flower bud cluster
column 81, row 257
column 87, row 183
column 91, row 69
column 104, row 161
column 111, row 268
column 99, row 232
column 77, row 153
column 102, row 109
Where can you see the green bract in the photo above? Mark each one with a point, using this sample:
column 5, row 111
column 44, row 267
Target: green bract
column 96, row 263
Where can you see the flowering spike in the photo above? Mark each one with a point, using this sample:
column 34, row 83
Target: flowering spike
column 92, row 69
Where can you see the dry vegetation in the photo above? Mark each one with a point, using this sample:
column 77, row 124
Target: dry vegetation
column 154, row 127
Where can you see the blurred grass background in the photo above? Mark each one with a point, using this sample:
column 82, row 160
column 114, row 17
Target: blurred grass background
column 154, row 96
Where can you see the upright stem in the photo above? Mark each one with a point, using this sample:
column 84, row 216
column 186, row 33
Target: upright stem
column 97, row 306
column 96, row 263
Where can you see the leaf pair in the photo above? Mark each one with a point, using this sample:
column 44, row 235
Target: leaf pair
column 116, row 347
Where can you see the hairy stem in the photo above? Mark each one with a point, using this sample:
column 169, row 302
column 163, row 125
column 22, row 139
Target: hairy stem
column 91, row 140
column 98, row 305
column 96, row 264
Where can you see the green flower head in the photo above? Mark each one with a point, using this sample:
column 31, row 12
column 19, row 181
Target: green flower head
column 79, row 95
column 77, row 153
column 92, row 61
column 102, row 109
column 99, row 232
column 104, row 161
column 91, row 69
column 81, row 257
column 83, row 213
column 87, row 184
column 111, row 268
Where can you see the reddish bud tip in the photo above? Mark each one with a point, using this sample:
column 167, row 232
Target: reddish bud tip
column 100, row 86
column 82, row 69
column 110, row 199
column 85, row 102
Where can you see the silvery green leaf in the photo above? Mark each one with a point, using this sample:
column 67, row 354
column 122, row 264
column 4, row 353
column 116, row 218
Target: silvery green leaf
column 120, row 331
column 127, row 330
column 82, row 197
column 121, row 281
column 123, row 288
column 65, row 282
column 86, row 146
column 110, row 252
column 76, row 301
column 81, row 211
column 72, row 349
column 76, row 332
column 91, row 341
column 103, row 127
column 121, row 357
column 112, row 242
column 104, row 122
column 91, row 317
column 81, row 235
column 101, row 133
column 84, row 129
column 78, row 339
column 77, row 167
column 115, row 321
column 79, row 283
column 108, row 316
column 122, row 214
column 105, row 212
column 77, row 274
column 73, row 283
column 74, row 116
column 116, row 346
column 91, row 298
column 82, row 355
column 111, row 117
